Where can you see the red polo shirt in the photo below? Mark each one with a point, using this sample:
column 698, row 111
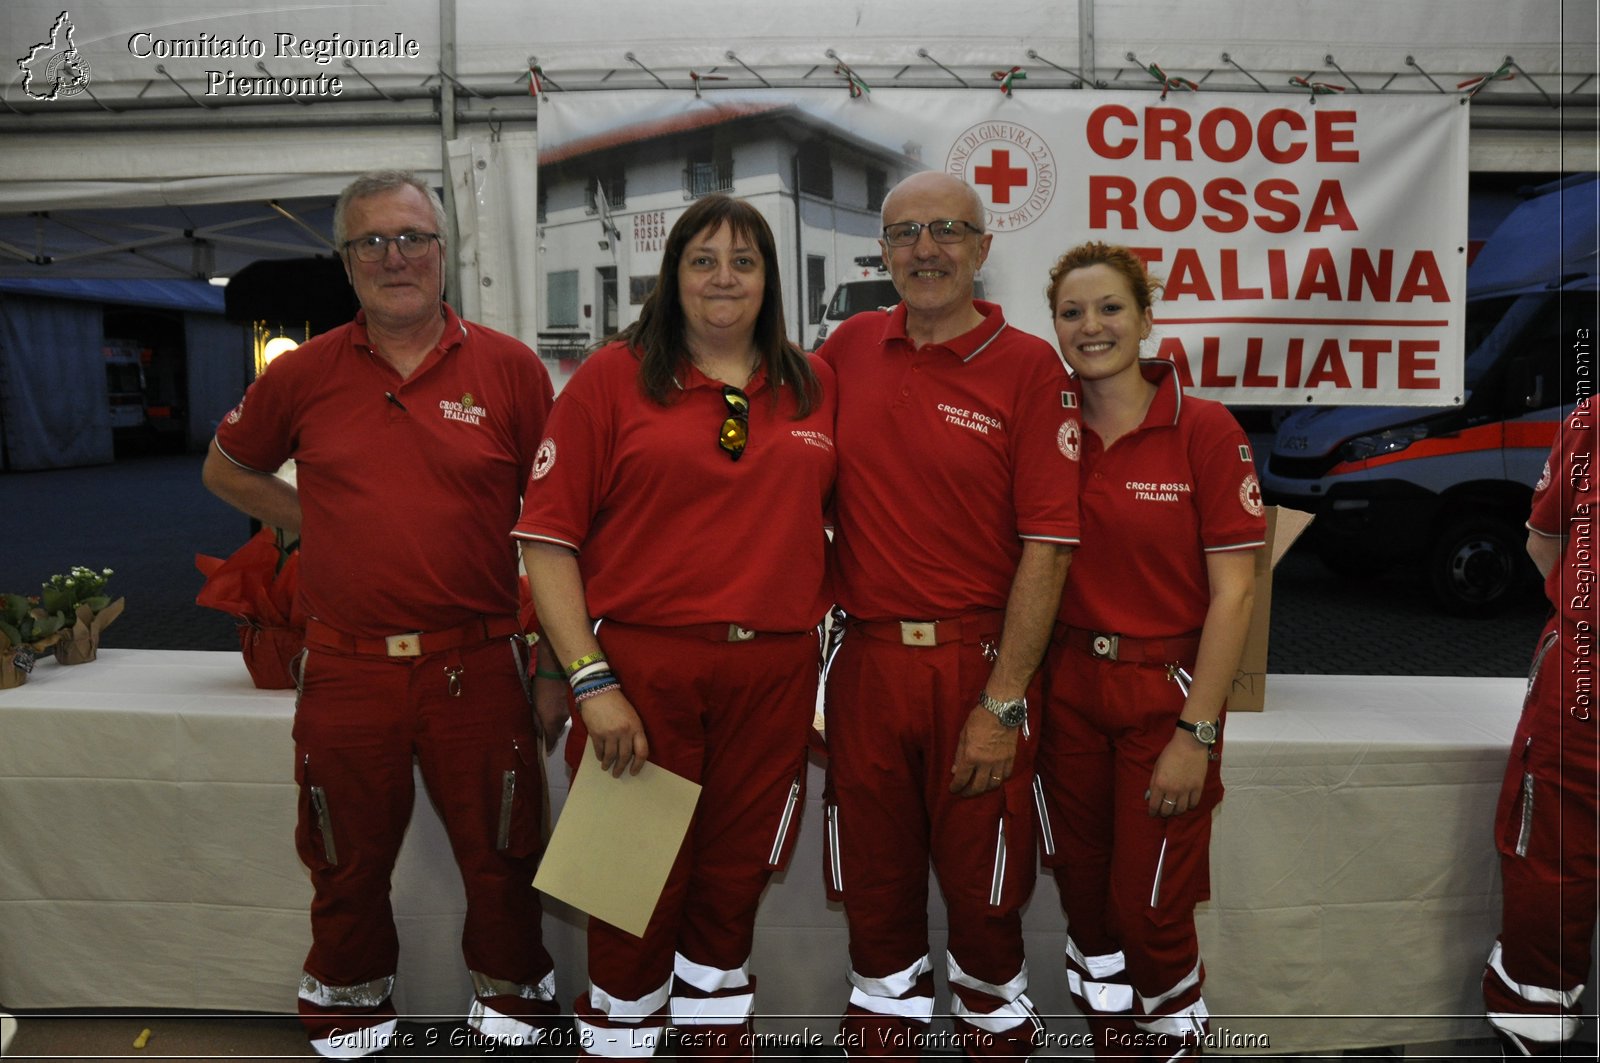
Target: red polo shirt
column 949, row 456
column 406, row 501
column 1566, row 501
column 1176, row 488
column 669, row 530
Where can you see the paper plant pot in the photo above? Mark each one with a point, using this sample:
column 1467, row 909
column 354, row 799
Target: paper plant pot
column 78, row 649
column 80, row 643
column 13, row 674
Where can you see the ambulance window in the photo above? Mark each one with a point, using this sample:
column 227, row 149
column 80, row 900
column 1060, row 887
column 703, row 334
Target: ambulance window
column 1482, row 316
column 852, row 299
column 1551, row 356
column 1494, row 331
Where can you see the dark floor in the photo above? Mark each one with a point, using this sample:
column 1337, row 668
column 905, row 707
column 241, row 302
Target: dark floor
column 147, row 517
column 144, row 518
column 93, row 1039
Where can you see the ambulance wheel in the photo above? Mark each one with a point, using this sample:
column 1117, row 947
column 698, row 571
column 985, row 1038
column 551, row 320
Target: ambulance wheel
column 1476, row 562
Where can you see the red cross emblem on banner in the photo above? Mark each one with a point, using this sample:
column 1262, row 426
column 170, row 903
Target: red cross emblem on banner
column 1000, row 176
column 1012, row 168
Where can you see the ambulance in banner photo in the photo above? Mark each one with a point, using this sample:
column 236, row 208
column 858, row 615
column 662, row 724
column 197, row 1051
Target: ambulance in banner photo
column 1449, row 488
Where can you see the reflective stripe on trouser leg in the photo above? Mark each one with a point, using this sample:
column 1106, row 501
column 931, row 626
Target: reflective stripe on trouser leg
column 1099, row 986
column 491, row 1022
column 1527, row 1012
column 1188, row 1022
column 906, row 994
column 1098, row 983
column 608, row 1026
column 347, row 1022
column 710, row 996
column 1008, row 1028
column 889, row 1016
column 711, row 1010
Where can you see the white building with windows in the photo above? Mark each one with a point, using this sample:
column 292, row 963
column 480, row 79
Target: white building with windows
column 607, row 201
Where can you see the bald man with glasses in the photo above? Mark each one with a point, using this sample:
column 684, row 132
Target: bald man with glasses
column 956, row 514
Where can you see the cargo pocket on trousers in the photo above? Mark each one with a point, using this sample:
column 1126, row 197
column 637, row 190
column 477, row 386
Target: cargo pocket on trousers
column 314, row 834
column 519, row 800
column 1049, row 854
column 1014, row 869
column 297, row 672
column 1514, row 818
column 787, row 828
column 832, row 871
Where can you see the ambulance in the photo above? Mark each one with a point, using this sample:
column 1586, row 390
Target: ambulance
column 867, row 288
column 1449, row 488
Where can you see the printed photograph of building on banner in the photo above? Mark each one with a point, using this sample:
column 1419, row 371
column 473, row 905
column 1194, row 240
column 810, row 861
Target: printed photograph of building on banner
column 1310, row 255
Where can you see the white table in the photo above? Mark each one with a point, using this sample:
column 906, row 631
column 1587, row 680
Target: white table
column 146, row 860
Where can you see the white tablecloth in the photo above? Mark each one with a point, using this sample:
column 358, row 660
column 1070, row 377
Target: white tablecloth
column 146, row 860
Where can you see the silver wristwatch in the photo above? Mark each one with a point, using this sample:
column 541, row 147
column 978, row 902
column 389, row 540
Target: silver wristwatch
column 1204, row 731
column 1010, row 713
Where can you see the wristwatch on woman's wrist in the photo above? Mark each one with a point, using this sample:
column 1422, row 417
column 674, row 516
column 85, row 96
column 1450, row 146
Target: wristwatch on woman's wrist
column 1204, row 731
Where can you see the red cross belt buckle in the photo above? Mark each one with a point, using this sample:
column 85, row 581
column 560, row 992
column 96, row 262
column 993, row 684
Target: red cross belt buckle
column 1104, row 646
column 918, row 633
column 407, row 645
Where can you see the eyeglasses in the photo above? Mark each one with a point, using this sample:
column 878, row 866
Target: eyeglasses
column 735, row 431
column 943, row 231
column 375, row 248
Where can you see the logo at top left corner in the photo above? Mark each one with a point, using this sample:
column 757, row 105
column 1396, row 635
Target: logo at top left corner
column 54, row 69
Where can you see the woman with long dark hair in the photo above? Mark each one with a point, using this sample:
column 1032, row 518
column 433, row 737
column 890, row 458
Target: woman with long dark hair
column 679, row 502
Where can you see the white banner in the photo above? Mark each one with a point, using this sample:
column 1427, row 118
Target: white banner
column 1313, row 252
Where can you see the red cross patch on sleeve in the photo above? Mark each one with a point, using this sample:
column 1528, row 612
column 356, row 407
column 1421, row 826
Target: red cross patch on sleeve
column 1250, row 496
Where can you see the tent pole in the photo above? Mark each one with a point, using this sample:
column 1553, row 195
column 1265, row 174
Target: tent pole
column 1086, row 39
column 447, row 133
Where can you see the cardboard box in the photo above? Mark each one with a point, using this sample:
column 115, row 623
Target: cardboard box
column 1250, row 682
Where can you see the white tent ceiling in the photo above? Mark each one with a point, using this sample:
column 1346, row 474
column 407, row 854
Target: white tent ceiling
column 143, row 134
column 1553, row 41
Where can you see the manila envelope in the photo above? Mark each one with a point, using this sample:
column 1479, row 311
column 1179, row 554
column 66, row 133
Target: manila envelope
column 616, row 841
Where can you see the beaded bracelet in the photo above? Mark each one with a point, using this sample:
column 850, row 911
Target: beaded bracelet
column 587, row 659
column 587, row 694
column 593, row 682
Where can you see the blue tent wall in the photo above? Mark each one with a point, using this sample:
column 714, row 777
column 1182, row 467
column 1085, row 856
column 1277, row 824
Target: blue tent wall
column 53, row 404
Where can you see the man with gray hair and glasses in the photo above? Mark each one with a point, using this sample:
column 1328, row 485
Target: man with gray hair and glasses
column 413, row 434
column 956, row 514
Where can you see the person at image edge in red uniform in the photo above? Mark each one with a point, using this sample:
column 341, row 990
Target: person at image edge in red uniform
column 413, row 434
column 1548, row 820
column 1153, row 623
column 679, row 500
column 956, row 516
